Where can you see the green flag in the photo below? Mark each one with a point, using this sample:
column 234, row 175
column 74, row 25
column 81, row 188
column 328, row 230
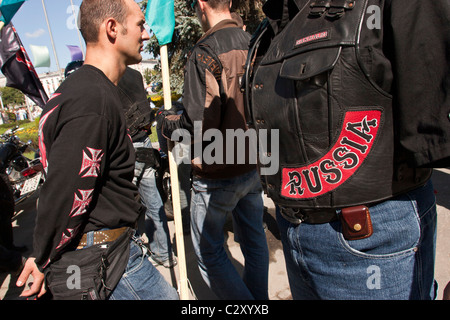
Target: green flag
column 160, row 16
column 9, row 8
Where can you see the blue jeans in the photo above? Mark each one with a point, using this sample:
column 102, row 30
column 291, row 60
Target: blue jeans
column 156, row 227
column 141, row 280
column 396, row 262
column 211, row 201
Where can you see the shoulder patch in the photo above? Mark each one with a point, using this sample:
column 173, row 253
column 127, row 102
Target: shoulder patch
column 358, row 134
column 210, row 64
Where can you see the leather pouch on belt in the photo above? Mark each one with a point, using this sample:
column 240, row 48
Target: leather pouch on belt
column 356, row 223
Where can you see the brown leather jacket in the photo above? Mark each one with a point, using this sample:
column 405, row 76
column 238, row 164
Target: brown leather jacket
column 213, row 99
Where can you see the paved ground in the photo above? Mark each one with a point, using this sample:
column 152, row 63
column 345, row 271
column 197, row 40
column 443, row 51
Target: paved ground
column 278, row 284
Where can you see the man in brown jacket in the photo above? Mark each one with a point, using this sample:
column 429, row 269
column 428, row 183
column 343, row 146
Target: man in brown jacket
column 225, row 179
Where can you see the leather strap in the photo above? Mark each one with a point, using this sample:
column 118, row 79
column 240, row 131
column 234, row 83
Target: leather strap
column 311, row 216
column 336, row 8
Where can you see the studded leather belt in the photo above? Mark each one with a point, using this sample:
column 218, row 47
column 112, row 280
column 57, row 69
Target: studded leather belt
column 102, row 236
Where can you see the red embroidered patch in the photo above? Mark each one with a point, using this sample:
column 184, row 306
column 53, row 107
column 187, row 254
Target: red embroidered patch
column 354, row 144
column 314, row 37
column 80, row 204
column 92, row 164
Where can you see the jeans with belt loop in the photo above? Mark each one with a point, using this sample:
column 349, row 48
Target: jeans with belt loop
column 141, row 280
column 396, row 262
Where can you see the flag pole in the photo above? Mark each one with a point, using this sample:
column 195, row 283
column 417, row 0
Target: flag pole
column 160, row 16
column 183, row 282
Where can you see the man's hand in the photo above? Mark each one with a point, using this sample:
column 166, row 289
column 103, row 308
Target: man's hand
column 37, row 287
column 161, row 115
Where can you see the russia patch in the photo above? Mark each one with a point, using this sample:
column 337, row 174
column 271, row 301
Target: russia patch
column 323, row 35
column 353, row 146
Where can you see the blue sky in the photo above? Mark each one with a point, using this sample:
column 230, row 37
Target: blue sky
column 32, row 29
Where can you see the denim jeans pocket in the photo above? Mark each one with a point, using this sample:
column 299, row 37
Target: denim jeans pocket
column 396, row 231
column 137, row 256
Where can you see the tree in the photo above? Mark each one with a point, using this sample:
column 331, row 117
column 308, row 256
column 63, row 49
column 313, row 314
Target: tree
column 187, row 32
column 11, row 97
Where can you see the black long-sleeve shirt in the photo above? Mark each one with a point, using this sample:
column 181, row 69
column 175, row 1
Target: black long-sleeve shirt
column 89, row 161
column 418, row 45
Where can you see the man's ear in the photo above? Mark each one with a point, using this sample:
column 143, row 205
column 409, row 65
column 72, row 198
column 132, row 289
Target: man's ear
column 111, row 28
column 201, row 5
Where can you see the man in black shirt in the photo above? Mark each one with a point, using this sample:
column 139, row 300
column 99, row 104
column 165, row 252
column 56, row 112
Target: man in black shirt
column 89, row 157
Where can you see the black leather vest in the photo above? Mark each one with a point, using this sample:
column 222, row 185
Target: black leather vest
column 137, row 109
column 311, row 77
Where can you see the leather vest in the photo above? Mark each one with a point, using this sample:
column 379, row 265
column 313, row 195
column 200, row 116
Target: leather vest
column 138, row 113
column 309, row 77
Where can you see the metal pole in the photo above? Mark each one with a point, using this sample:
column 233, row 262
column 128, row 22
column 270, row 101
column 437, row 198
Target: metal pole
column 51, row 38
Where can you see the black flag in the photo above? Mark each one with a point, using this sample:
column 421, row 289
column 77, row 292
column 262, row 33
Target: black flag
column 17, row 67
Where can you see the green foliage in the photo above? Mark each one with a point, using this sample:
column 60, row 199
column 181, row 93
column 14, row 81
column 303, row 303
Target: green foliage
column 158, row 99
column 29, row 132
column 154, row 135
column 12, row 97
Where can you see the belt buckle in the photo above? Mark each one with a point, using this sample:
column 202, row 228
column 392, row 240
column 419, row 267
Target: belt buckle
column 293, row 215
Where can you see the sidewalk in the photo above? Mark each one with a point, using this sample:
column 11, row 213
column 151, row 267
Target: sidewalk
column 278, row 283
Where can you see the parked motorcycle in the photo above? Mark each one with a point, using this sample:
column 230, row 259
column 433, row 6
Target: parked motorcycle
column 24, row 175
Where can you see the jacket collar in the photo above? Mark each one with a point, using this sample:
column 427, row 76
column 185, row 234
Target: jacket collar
column 227, row 23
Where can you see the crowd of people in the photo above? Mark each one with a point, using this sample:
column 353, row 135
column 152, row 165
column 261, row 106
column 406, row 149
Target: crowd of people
column 18, row 114
column 355, row 106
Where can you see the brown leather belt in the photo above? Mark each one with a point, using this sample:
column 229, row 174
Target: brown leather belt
column 102, row 236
